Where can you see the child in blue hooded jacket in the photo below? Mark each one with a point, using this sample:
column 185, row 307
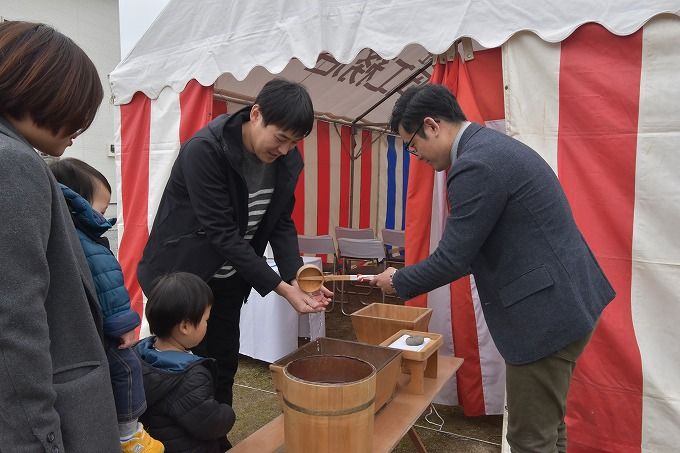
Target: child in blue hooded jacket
column 87, row 194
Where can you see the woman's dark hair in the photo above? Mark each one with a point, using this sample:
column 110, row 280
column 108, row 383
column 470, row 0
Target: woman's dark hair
column 286, row 105
column 45, row 75
column 78, row 176
column 176, row 297
column 425, row 100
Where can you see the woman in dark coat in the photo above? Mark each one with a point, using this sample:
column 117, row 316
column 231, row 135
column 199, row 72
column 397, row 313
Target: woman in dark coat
column 55, row 391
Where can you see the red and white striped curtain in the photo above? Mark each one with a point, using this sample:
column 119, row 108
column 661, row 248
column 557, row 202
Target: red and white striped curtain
column 603, row 110
column 323, row 191
column 148, row 136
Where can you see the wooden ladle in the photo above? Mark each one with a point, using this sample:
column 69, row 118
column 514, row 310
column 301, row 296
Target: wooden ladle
column 310, row 278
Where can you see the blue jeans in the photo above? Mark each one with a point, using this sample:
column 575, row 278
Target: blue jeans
column 126, row 380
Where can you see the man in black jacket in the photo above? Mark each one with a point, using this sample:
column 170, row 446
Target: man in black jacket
column 231, row 190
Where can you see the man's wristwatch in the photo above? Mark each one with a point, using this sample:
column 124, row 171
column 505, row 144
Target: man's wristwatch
column 392, row 279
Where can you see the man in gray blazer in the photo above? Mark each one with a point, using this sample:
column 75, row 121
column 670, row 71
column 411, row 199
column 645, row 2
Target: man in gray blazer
column 510, row 225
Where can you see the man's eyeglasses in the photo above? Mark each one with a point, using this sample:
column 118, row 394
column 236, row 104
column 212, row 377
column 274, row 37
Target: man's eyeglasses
column 408, row 145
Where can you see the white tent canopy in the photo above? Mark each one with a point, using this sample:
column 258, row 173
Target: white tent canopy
column 229, row 41
column 600, row 109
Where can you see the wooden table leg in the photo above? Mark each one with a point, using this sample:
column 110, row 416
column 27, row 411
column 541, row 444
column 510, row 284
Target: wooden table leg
column 417, row 371
column 416, row 441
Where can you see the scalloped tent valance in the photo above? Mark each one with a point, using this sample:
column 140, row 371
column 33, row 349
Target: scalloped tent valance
column 206, row 39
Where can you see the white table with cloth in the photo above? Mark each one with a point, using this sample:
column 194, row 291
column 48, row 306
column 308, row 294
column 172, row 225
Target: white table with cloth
column 270, row 327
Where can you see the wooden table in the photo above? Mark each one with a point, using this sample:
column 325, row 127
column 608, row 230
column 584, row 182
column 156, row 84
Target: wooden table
column 392, row 423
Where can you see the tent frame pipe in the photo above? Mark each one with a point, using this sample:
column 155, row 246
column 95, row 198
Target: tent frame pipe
column 354, row 156
column 387, row 95
column 244, row 102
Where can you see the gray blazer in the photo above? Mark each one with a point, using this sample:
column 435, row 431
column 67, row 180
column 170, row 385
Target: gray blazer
column 510, row 225
column 55, row 390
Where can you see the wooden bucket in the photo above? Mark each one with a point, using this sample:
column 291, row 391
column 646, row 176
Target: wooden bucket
column 387, row 363
column 328, row 404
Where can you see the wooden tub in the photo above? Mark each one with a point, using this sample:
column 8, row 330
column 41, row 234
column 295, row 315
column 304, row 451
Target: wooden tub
column 328, row 404
column 387, row 363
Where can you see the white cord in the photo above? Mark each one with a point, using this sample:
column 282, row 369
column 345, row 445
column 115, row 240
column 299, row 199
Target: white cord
column 254, row 388
column 460, row 436
column 438, row 425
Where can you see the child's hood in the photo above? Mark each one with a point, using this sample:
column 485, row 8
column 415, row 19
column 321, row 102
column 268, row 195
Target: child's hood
column 170, row 361
column 163, row 371
column 84, row 215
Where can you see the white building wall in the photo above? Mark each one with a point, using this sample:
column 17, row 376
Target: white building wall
column 94, row 26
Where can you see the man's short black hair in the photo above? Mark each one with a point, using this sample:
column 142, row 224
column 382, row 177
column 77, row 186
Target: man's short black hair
column 176, row 297
column 425, row 100
column 286, row 105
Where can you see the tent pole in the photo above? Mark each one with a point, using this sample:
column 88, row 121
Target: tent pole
column 408, row 80
column 354, row 156
column 352, row 144
column 375, row 127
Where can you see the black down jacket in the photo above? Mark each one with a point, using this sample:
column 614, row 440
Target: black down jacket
column 181, row 409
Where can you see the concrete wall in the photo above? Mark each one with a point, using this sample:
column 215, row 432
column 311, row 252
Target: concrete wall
column 94, row 26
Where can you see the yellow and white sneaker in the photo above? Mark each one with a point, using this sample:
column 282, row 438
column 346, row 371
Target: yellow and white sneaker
column 142, row 442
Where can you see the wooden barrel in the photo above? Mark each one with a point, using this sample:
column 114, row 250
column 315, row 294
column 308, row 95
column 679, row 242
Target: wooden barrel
column 328, row 404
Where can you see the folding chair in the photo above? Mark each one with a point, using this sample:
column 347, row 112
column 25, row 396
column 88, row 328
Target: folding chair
column 361, row 249
column 354, row 233
column 394, row 246
column 321, row 245
column 318, row 245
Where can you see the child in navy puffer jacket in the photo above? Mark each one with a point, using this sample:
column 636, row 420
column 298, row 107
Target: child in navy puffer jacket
column 87, row 194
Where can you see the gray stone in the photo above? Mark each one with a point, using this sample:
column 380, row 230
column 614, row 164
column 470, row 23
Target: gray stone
column 415, row 340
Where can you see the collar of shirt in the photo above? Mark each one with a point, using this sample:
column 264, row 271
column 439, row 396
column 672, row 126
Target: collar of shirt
column 454, row 147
